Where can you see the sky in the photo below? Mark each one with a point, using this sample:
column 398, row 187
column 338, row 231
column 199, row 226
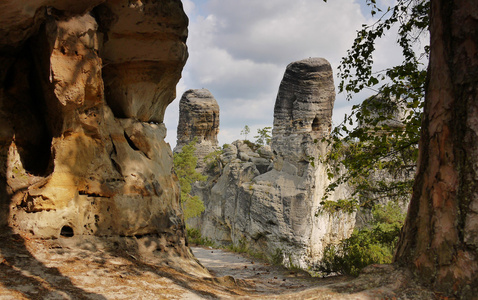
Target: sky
column 239, row 50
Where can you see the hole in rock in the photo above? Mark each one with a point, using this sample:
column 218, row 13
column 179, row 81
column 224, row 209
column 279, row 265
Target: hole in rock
column 67, row 231
column 315, row 124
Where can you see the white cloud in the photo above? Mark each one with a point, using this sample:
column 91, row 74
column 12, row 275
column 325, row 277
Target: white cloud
column 239, row 50
column 279, row 32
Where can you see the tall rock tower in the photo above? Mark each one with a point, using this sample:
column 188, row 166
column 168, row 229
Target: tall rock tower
column 269, row 198
column 303, row 110
column 198, row 119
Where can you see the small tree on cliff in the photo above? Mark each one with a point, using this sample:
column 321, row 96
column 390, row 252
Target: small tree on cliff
column 263, row 136
column 245, row 131
column 185, row 163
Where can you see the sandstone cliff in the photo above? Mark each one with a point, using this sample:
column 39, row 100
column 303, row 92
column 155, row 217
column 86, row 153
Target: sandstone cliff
column 267, row 198
column 83, row 90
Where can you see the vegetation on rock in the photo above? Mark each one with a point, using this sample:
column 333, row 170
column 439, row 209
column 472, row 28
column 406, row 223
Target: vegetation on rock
column 263, row 136
column 185, row 167
column 245, row 131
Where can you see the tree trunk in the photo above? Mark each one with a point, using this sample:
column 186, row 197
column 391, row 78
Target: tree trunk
column 440, row 236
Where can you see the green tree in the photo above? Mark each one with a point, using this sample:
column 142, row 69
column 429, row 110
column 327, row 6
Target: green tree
column 381, row 135
column 185, row 163
column 245, row 131
column 263, row 136
column 439, row 238
column 375, row 149
column 438, row 241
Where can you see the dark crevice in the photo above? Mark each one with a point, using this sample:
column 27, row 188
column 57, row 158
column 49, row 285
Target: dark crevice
column 130, row 142
column 315, row 124
column 116, row 166
column 27, row 105
column 113, row 162
column 84, row 193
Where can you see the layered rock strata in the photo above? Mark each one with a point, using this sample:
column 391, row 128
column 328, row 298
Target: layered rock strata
column 198, row 121
column 83, row 90
column 268, row 198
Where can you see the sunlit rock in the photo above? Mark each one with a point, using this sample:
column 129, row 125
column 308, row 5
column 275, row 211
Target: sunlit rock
column 83, row 89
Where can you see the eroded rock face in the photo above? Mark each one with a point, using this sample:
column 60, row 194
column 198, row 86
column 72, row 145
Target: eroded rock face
column 198, row 120
column 303, row 111
column 144, row 52
column 75, row 158
column 268, row 198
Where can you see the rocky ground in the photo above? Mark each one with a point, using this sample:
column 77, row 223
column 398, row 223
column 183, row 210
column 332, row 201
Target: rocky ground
column 102, row 268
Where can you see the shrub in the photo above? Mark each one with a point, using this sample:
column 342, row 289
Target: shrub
column 370, row 245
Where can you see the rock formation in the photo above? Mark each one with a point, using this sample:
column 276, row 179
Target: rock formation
column 198, row 120
column 83, row 90
column 269, row 198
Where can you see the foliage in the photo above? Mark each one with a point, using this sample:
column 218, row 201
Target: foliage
column 277, row 257
column 386, row 138
column 251, row 145
column 195, row 238
column 371, row 245
column 185, row 167
column 263, row 136
column 245, row 131
column 213, row 160
column 240, row 247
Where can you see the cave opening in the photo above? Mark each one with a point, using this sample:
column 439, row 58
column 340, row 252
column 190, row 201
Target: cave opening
column 67, row 231
column 316, row 124
column 27, row 109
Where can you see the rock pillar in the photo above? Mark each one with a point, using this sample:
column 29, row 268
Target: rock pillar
column 198, row 119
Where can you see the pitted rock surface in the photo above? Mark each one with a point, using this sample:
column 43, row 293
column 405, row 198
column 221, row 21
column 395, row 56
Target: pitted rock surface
column 83, row 89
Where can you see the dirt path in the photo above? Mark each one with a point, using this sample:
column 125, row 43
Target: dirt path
column 96, row 268
column 258, row 275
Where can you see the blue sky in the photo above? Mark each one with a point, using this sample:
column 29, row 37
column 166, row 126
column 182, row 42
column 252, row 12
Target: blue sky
column 239, row 49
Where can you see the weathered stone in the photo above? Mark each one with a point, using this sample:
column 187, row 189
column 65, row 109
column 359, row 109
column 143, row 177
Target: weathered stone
column 21, row 19
column 198, row 120
column 74, row 160
column 144, row 52
column 268, row 199
column 303, row 110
